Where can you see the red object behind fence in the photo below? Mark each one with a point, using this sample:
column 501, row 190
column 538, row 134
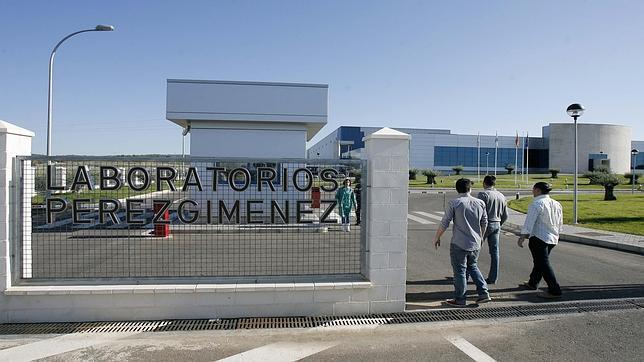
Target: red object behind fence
column 315, row 197
column 161, row 230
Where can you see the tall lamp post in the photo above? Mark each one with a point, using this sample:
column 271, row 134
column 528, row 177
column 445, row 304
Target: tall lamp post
column 487, row 170
column 634, row 153
column 51, row 70
column 575, row 111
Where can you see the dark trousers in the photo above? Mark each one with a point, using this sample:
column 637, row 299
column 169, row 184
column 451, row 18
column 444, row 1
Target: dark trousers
column 542, row 269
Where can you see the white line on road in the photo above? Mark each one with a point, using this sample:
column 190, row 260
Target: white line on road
column 281, row 351
column 419, row 219
column 468, row 348
column 426, row 214
column 57, row 345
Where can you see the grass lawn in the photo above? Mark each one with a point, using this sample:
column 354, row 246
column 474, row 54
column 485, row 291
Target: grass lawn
column 563, row 182
column 625, row 215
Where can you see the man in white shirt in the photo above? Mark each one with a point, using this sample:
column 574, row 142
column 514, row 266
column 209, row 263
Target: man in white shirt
column 542, row 226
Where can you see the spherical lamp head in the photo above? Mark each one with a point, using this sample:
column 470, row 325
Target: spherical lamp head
column 575, row 110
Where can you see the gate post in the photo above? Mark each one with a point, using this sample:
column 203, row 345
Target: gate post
column 14, row 141
column 387, row 152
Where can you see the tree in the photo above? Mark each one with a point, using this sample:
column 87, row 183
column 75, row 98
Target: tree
column 509, row 167
column 609, row 181
column 431, row 176
column 554, row 172
column 457, row 169
column 412, row 173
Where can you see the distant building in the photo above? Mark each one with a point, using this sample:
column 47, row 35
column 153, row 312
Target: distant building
column 599, row 144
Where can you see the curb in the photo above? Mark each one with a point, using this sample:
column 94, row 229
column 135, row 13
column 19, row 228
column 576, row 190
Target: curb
column 516, row 229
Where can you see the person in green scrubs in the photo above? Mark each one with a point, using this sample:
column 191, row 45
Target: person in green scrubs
column 346, row 199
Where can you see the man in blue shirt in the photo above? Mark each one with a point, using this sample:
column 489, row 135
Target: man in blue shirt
column 470, row 221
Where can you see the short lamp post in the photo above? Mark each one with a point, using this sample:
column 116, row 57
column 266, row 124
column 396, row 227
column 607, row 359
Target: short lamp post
column 634, row 153
column 51, row 70
column 575, row 111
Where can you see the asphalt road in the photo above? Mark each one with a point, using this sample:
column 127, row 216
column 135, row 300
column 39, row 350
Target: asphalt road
column 607, row 336
column 584, row 272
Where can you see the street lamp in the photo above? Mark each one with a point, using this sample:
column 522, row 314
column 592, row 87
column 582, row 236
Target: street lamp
column 51, row 70
column 575, row 111
column 634, row 153
column 487, row 171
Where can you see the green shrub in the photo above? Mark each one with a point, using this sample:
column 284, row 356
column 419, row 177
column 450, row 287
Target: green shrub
column 629, row 177
column 431, row 176
column 458, row 169
column 554, row 172
column 412, row 173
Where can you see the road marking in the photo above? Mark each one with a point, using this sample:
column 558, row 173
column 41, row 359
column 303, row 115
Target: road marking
column 419, row 219
column 468, row 348
column 431, row 216
column 281, row 351
column 53, row 346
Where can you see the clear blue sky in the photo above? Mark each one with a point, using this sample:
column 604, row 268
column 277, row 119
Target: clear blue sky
column 467, row 66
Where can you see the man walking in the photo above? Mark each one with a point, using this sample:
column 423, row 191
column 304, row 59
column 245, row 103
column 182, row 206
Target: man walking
column 542, row 225
column 497, row 213
column 470, row 220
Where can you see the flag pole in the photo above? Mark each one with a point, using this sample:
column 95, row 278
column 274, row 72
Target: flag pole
column 516, row 159
column 527, row 157
column 478, row 163
column 522, row 158
column 496, row 150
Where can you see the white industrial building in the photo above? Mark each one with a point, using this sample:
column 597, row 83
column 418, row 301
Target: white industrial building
column 599, row 144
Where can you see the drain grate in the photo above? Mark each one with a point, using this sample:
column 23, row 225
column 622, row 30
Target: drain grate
column 443, row 315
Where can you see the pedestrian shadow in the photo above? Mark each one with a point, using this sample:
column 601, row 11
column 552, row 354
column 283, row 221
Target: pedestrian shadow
column 518, row 294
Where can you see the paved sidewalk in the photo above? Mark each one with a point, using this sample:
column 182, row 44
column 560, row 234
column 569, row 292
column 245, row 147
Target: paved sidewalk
column 576, row 234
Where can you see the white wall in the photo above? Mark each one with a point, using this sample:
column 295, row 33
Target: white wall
column 14, row 141
column 613, row 140
column 215, row 142
column 384, row 291
column 261, row 102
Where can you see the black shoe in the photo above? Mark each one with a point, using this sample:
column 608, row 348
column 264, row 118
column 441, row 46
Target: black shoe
column 489, row 282
column 454, row 303
column 482, row 300
column 548, row 295
column 527, row 285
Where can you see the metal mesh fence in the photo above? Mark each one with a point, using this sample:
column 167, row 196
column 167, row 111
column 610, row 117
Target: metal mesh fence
column 131, row 218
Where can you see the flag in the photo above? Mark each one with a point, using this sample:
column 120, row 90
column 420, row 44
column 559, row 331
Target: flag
column 526, row 141
column 516, row 141
column 496, row 140
column 478, row 140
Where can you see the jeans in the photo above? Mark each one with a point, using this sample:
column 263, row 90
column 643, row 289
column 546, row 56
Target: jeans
column 345, row 219
column 462, row 261
column 542, row 269
column 493, row 234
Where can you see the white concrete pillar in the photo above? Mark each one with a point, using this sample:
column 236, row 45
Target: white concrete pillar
column 14, row 141
column 387, row 152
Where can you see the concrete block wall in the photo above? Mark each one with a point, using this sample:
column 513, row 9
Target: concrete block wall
column 383, row 290
column 387, row 152
column 14, row 141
